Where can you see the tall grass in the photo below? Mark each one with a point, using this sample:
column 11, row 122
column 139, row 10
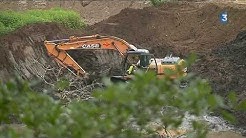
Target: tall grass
column 159, row 2
column 11, row 20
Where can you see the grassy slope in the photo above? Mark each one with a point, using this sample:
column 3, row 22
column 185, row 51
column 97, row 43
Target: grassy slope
column 11, row 20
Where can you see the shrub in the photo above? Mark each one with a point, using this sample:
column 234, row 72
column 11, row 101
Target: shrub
column 158, row 2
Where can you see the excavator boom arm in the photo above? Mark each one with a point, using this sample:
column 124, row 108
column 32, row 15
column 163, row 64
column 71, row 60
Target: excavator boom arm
column 58, row 48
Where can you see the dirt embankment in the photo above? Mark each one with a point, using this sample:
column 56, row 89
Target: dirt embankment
column 231, row 67
column 23, row 52
column 181, row 28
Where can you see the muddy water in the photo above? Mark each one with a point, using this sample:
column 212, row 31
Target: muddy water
column 218, row 127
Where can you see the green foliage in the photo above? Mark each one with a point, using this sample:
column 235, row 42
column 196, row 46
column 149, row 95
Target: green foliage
column 11, row 20
column 241, row 105
column 119, row 110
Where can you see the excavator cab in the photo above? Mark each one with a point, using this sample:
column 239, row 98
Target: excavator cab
column 141, row 61
column 145, row 60
column 133, row 62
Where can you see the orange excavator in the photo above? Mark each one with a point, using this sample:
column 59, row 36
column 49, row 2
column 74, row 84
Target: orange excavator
column 134, row 58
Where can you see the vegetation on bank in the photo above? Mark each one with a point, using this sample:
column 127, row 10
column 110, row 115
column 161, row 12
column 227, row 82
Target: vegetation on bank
column 11, row 20
column 159, row 2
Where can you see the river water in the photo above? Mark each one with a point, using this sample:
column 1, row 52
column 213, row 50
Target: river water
column 218, row 127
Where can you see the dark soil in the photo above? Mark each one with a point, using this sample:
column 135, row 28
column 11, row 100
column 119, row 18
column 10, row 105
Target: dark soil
column 234, row 73
column 225, row 68
column 98, row 63
column 181, row 28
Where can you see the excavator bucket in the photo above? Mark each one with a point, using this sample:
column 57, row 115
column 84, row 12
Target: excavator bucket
column 117, row 79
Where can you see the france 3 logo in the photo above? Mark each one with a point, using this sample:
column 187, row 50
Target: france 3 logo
column 223, row 17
